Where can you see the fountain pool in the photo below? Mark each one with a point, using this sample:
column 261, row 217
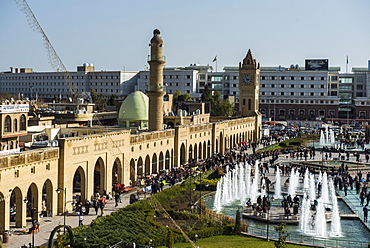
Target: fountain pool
column 352, row 230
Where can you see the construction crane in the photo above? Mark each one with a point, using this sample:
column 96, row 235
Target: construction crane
column 53, row 58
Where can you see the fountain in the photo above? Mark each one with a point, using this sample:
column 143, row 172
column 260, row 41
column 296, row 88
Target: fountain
column 277, row 194
column 320, row 220
column 327, row 137
column 336, row 229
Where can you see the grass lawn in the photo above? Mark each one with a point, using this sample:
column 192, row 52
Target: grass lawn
column 232, row 241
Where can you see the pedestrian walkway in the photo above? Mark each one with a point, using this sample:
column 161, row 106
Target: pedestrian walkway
column 353, row 201
column 21, row 237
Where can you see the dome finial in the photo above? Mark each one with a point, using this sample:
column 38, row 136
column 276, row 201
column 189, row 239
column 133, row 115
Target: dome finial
column 156, row 31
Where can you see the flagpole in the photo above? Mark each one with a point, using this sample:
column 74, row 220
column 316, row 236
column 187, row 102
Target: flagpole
column 216, row 65
column 347, row 65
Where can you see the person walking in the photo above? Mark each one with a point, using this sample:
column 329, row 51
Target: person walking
column 366, row 210
column 81, row 219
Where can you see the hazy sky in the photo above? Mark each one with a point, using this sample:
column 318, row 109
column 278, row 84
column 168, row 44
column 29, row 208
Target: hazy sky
column 115, row 34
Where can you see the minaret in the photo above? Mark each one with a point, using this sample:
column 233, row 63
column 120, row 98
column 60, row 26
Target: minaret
column 155, row 91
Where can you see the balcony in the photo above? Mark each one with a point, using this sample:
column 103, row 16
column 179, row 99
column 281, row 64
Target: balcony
column 156, row 58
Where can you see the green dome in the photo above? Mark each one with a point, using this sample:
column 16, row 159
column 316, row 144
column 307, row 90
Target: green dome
column 135, row 107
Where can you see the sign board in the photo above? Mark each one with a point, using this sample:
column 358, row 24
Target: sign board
column 14, row 108
column 316, row 64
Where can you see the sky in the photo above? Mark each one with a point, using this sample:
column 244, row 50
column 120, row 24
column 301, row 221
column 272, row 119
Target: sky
column 115, row 34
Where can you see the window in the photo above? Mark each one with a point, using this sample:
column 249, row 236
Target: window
column 302, row 78
column 322, row 78
column 302, row 85
column 15, row 125
column 187, row 76
column 291, row 78
column 312, row 94
column 360, row 79
column 312, row 78
column 282, row 78
column 282, row 93
column 322, row 94
column 282, row 86
column 22, row 123
column 7, row 124
column 292, row 86
column 360, row 87
column 272, row 85
column 334, row 86
column 346, row 80
column 302, row 93
column 263, row 85
column 262, row 93
column 312, row 86
column 263, row 78
column 272, row 78
column 322, row 86
column 272, row 93
column 292, row 93
column 281, row 112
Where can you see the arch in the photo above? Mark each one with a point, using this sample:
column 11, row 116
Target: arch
column 147, row 165
column 140, row 170
column 205, row 150
column 116, row 174
column 190, row 153
column 79, row 183
column 195, row 155
column 154, row 164
column 99, row 176
column 15, row 125
column 71, row 237
column 216, row 146
column 161, row 162
column 132, row 171
column 32, row 202
column 182, row 154
column 47, row 199
column 22, row 123
column 222, row 146
column 2, row 216
column 7, row 124
column 16, row 200
column 171, row 159
column 209, row 149
column 167, row 163
column 200, row 154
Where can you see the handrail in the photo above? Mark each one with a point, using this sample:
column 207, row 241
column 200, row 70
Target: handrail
column 310, row 240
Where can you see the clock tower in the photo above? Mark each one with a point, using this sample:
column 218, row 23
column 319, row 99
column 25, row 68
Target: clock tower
column 249, row 85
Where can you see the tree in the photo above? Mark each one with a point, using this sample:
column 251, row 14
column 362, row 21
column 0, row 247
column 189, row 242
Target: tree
column 112, row 100
column 237, row 228
column 221, row 107
column 207, row 94
column 283, row 235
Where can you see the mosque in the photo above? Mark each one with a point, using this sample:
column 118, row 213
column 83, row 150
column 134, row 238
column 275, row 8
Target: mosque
column 43, row 182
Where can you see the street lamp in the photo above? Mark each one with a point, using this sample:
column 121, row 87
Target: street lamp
column 32, row 212
column 268, row 224
column 58, row 190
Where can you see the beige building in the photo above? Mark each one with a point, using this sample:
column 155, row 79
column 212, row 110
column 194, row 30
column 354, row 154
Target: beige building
column 90, row 161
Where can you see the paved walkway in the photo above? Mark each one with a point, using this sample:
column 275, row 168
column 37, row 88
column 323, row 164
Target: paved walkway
column 47, row 224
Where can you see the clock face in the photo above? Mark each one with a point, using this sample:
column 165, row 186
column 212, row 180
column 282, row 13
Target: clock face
column 247, row 79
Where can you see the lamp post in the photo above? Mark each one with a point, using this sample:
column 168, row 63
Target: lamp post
column 268, row 224
column 32, row 212
column 191, row 187
column 65, row 205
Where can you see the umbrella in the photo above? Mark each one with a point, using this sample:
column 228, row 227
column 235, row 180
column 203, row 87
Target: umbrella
column 362, row 180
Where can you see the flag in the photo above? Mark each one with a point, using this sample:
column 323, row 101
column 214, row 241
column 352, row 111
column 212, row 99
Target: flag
column 215, row 59
column 347, row 59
